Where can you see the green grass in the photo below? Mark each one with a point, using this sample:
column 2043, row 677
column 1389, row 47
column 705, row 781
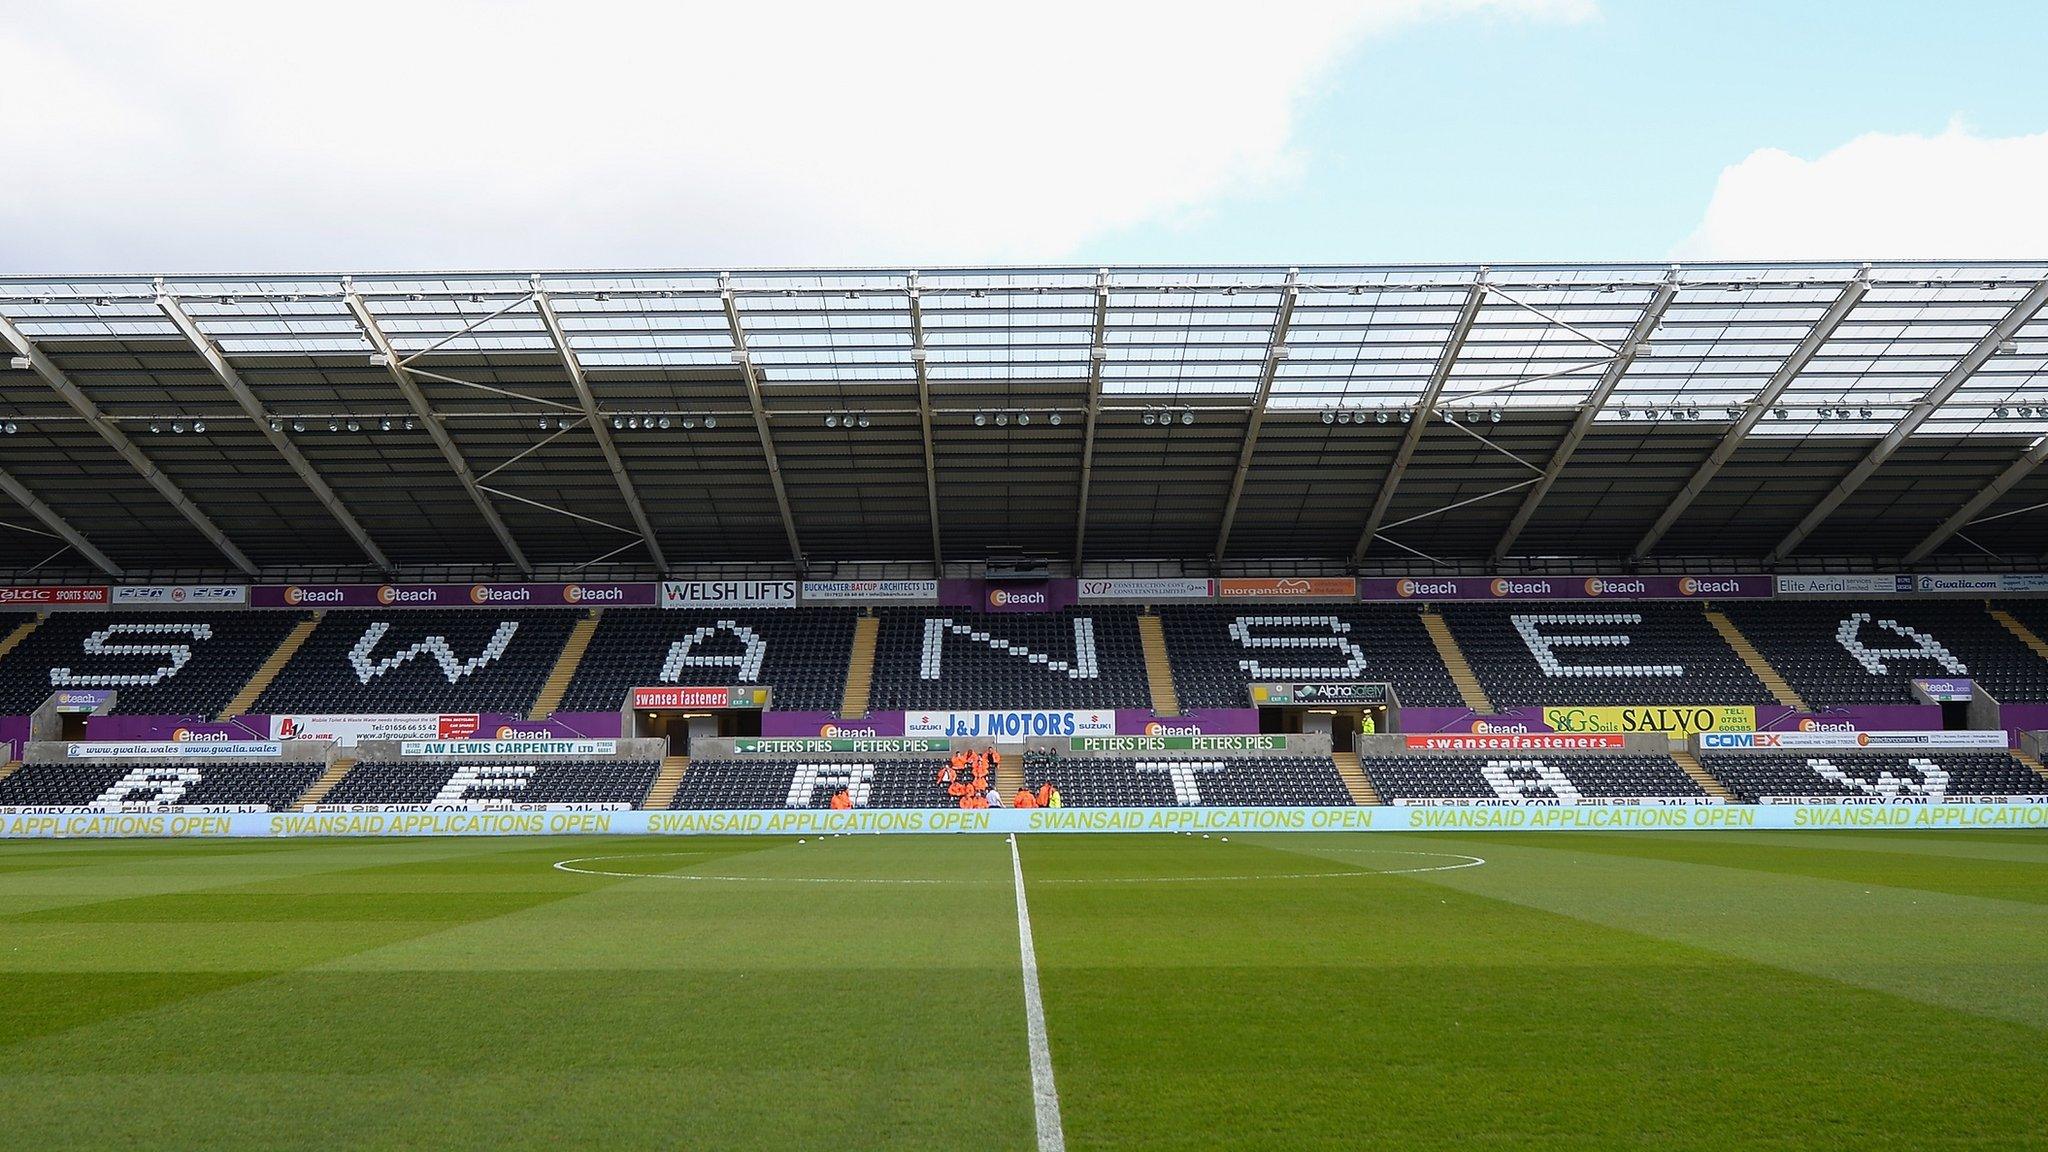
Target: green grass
column 1883, row 990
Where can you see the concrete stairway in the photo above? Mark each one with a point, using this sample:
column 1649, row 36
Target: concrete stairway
column 1780, row 688
column 1158, row 668
column 20, row 633
column 9, row 768
column 1700, row 775
column 2011, row 623
column 550, row 698
column 1454, row 659
column 1361, row 789
column 663, row 793
column 1009, row 777
column 2022, row 757
column 325, row 784
column 247, row 697
column 860, row 669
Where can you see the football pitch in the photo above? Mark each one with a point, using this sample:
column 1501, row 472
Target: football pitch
column 1555, row 991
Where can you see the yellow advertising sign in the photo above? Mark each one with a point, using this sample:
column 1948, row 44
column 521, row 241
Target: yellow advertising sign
column 1670, row 719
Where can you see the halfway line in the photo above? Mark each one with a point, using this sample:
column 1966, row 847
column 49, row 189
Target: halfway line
column 1045, row 1097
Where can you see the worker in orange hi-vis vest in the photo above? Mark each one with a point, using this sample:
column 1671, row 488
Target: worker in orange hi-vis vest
column 1024, row 799
column 947, row 774
column 1045, row 794
column 842, row 799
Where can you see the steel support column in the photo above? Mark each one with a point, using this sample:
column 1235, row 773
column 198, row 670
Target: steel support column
column 431, row 421
column 1610, row 379
column 597, row 425
column 1926, row 406
column 918, row 357
column 122, row 445
column 231, row 379
column 1098, row 351
column 745, row 359
column 1276, row 351
column 2016, row 472
column 57, row 524
column 1419, row 422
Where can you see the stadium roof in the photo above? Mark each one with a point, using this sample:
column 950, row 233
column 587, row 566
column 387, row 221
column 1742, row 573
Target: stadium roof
column 1391, row 418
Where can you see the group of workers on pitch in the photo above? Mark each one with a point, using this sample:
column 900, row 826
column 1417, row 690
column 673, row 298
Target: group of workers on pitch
column 968, row 779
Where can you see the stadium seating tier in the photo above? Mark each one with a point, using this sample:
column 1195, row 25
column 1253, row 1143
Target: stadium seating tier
column 421, row 660
column 800, row 654
column 157, row 783
column 1593, row 654
column 161, row 663
column 1217, row 651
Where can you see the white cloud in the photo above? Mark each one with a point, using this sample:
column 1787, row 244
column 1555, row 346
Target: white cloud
column 143, row 136
column 1955, row 195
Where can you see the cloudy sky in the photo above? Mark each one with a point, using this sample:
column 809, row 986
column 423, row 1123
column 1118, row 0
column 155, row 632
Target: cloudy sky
column 268, row 136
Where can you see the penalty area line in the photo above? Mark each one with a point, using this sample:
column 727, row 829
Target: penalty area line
column 1045, row 1096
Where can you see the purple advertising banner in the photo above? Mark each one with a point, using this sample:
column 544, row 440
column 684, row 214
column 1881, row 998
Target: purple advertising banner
column 1769, row 718
column 809, row 725
column 1009, row 595
column 155, row 729
column 452, row 595
column 1862, row 718
column 1564, row 587
column 1129, row 722
column 13, row 736
column 2011, row 717
column 80, row 699
column 1512, row 722
column 1194, row 722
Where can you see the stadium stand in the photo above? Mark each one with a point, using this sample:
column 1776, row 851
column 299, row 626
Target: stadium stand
column 157, row 784
column 1752, row 776
column 1217, row 651
column 1077, row 658
column 1638, row 653
column 461, row 783
column 800, row 655
column 185, row 663
column 1528, row 776
column 764, row 782
column 1189, row 780
column 1839, row 653
column 421, row 660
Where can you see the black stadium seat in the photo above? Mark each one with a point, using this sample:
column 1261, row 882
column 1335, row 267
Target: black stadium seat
column 273, row 784
column 160, row 663
column 768, row 782
column 421, row 660
column 1837, row 653
column 941, row 658
column 1853, row 774
column 1218, row 650
column 1527, row 775
column 801, row 654
column 561, row 781
column 1165, row 780
column 1528, row 656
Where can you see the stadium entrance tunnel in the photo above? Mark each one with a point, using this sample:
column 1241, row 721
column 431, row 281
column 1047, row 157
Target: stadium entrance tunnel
column 1342, row 723
column 681, row 726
